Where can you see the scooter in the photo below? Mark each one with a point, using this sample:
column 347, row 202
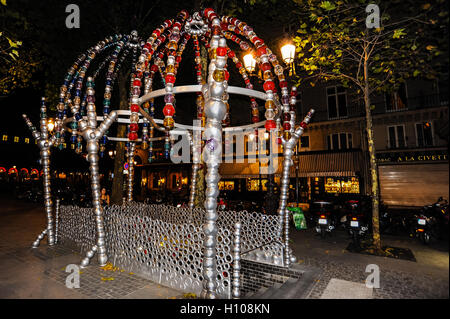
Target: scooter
column 356, row 222
column 325, row 222
column 431, row 221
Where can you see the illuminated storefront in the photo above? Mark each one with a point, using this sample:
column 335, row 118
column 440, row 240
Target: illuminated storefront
column 226, row 185
column 342, row 185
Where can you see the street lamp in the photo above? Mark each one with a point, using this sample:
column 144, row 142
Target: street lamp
column 50, row 125
column 288, row 52
column 249, row 63
column 288, row 55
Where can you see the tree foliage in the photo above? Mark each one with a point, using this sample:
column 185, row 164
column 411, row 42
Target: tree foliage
column 333, row 41
column 18, row 62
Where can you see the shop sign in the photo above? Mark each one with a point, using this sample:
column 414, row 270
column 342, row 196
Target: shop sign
column 412, row 157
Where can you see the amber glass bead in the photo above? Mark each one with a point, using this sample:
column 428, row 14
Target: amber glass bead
column 169, row 123
column 269, row 104
column 170, row 68
column 218, row 75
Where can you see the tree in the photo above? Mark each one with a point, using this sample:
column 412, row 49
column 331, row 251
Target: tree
column 18, row 62
column 340, row 41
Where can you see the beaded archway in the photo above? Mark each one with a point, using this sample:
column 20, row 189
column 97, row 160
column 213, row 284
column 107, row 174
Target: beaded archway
column 162, row 54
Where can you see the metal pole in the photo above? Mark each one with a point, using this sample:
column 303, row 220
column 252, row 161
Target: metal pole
column 131, row 150
column 284, row 188
column 91, row 133
column 215, row 111
column 236, row 283
column 296, row 175
column 44, row 143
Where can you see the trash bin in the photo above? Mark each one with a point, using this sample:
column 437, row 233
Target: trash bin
column 298, row 217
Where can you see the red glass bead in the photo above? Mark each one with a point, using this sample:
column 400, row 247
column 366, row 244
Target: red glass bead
column 293, row 93
column 283, row 84
column 134, row 127
column 239, row 65
column 287, row 126
column 270, row 125
column 134, row 108
column 261, row 50
column 303, row 125
column 269, row 86
column 221, row 51
column 206, row 11
column 170, row 78
column 286, row 117
column 227, row 75
column 132, row 136
column 178, row 58
column 168, row 110
column 279, row 141
column 255, row 119
column 154, row 68
column 157, row 32
column 231, row 54
column 137, row 83
column 265, row 66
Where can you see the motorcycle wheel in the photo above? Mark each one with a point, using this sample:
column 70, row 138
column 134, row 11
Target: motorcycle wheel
column 425, row 237
column 322, row 233
column 356, row 241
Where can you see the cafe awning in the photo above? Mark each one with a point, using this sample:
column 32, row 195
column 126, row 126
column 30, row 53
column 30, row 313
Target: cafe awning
column 346, row 163
column 311, row 164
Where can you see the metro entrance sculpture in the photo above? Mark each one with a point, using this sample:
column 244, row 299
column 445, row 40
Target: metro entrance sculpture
column 214, row 233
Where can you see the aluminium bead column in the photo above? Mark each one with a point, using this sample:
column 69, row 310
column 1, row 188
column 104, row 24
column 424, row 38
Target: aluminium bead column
column 44, row 143
column 215, row 111
column 130, row 154
column 91, row 133
column 289, row 146
column 236, row 283
column 196, row 146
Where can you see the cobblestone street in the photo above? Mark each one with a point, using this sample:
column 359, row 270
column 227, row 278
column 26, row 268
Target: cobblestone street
column 399, row 279
column 40, row 273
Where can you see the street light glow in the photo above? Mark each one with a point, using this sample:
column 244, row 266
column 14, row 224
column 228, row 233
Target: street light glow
column 50, row 126
column 249, row 63
column 288, row 52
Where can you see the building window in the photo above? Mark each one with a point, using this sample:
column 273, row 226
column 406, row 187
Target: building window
column 397, row 101
column 337, row 102
column 226, row 185
column 27, row 140
column 340, row 141
column 396, row 135
column 424, row 134
column 253, row 185
column 304, row 142
column 16, row 139
column 5, row 138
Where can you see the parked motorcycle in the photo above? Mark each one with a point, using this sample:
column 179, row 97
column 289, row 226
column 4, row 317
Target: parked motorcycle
column 325, row 221
column 356, row 221
column 432, row 221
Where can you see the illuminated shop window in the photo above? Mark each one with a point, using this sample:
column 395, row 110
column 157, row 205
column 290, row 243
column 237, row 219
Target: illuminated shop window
column 253, row 185
column 5, row 138
column 349, row 185
column 226, row 185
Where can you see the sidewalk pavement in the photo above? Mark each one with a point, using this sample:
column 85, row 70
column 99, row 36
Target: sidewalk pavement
column 40, row 272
